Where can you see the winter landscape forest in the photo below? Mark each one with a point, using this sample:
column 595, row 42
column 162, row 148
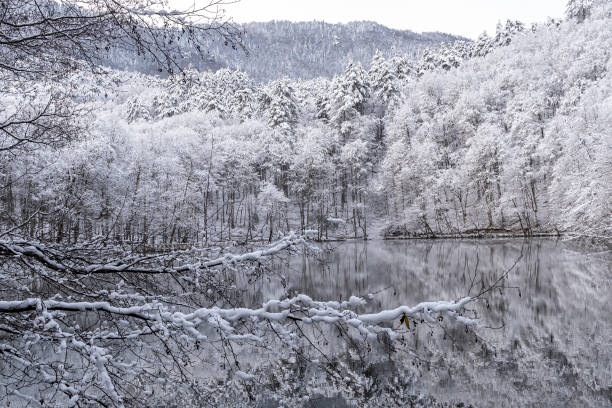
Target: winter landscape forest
column 195, row 212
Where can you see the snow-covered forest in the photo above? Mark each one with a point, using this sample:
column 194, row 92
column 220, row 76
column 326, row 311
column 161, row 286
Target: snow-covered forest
column 509, row 133
column 134, row 207
column 299, row 50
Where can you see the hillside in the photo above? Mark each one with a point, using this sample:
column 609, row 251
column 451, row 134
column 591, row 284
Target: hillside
column 496, row 144
column 302, row 50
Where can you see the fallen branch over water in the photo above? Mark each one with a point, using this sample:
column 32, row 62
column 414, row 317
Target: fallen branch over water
column 300, row 307
column 61, row 261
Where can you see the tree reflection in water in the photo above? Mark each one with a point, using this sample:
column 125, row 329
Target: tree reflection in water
column 553, row 343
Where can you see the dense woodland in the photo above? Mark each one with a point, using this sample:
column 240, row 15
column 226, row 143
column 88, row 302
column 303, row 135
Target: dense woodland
column 508, row 133
column 136, row 211
column 298, row 50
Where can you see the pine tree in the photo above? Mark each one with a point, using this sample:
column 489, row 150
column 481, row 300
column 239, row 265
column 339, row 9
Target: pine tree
column 215, row 105
column 349, row 93
column 382, row 79
column 401, row 67
column 504, row 34
column 281, row 104
column 427, row 62
column 578, row 10
column 322, row 100
column 136, row 110
column 482, row 46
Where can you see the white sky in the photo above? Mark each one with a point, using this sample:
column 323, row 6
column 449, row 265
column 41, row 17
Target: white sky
column 464, row 17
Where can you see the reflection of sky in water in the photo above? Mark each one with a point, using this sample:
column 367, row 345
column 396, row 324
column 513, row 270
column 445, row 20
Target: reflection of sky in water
column 555, row 347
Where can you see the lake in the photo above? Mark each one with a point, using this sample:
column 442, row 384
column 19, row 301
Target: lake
column 549, row 335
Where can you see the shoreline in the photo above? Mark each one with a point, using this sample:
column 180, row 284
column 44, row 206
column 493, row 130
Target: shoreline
column 476, row 235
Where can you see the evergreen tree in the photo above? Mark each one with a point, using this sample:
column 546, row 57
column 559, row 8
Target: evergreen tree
column 243, row 103
column 578, row 10
column 136, row 110
column 349, row 93
column 504, row 34
column 482, row 46
column 382, row 79
column 401, row 67
column 282, row 107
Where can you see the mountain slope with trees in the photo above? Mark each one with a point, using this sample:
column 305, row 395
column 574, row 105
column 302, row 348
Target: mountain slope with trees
column 514, row 141
column 299, row 50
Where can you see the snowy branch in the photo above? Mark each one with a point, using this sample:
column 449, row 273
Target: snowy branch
column 300, row 307
column 61, row 261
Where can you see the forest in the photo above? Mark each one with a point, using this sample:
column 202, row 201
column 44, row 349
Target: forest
column 137, row 209
column 457, row 142
column 298, row 50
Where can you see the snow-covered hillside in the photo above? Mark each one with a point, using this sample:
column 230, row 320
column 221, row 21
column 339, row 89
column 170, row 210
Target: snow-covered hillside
column 515, row 141
column 303, row 50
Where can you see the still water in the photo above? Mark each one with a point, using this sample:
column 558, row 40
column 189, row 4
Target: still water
column 549, row 341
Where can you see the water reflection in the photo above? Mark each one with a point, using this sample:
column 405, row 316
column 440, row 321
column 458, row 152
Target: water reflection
column 554, row 347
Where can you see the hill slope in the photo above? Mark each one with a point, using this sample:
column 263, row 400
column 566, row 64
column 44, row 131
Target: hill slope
column 303, row 50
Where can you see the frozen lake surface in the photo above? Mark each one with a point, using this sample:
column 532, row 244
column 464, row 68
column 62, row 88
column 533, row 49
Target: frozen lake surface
column 550, row 336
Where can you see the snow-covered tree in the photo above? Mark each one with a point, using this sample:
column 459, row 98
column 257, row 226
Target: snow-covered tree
column 136, row 110
column 578, row 10
column 282, row 109
column 349, row 94
column 383, row 80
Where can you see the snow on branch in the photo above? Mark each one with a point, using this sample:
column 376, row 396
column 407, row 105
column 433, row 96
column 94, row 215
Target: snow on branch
column 131, row 317
column 299, row 308
column 102, row 375
column 59, row 262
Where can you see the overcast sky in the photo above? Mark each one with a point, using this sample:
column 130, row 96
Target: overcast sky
column 464, row 17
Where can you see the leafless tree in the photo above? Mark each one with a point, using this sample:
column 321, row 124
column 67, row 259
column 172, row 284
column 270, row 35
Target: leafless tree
column 86, row 326
column 44, row 40
column 46, row 37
